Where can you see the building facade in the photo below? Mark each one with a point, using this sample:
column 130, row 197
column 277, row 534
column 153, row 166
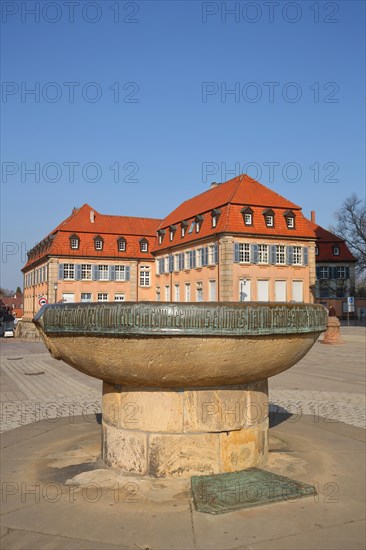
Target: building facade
column 237, row 241
column 335, row 269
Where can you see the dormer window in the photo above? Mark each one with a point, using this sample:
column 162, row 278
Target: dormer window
column 215, row 216
column 121, row 243
column 198, row 220
column 183, row 228
column 161, row 234
column 247, row 214
column 336, row 250
column 172, row 230
column 269, row 217
column 144, row 245
column 74, row 242
column 317, row 251
column 98, row 243
column 290, row 219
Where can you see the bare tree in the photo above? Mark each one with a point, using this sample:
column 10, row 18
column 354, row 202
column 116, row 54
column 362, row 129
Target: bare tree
column 351, row 226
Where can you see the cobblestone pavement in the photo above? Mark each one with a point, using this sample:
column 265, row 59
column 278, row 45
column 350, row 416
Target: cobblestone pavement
column 35, row 387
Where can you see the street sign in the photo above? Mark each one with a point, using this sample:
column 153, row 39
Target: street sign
column 42, row 301
column 351, row 304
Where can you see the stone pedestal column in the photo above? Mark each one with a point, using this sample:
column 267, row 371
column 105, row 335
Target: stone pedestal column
column 333, row 332
column 180, row 433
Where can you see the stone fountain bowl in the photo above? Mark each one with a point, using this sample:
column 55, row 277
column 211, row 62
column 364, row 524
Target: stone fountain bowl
column 180, row 345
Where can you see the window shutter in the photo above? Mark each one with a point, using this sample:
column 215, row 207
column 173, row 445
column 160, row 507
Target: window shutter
column 95, row 273
column 60, row 271
column 290, row 255
column 330, row 272
column 236, row 253
column 205, row 256
column 127, row 271
column 347, row 272
column 254, row 253
column 112, row 272
column 201, row 253
column 272, row 250
column 77, row 272
column 171, row 263
column 216, row 253
column 317, row 270
column 192, row 259
column 306, row 255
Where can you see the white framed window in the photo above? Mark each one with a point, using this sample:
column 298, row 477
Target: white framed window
column 280, row 291
column 98, row 243
column 144, row 246
column 244, row 253
column 212, row 290
column 167, row 293
column 336, row 250
column 214, row 221
column 171, row 235
column 69, row 272
column 280, row 254
column 263, row 253
column 183, row 231
column 86, row 272
column 145, row 276
column 68, row 297
column 103, row 272
column 198, row 227
column 199, row 291
column 316, row 250
column 74, row 243
column 158, row 298
column 323, row 272
column 263, row 290
column 102, row 296
column 187, row 262
column 248, row 218
column 166, row 264
column 119, row 297
column 187, row 292
column 86, row 296
column 160, row 239
column 297, row 291
column 121, row 245
column 244, row 290
column 198, row 258
column 341, row 272
column 297, row 259
column 120, row 272
column 176, row 262
column 176, row 292
column 290, row 222
column 269, row 220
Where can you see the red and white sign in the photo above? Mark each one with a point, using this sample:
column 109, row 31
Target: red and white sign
column 42, row 301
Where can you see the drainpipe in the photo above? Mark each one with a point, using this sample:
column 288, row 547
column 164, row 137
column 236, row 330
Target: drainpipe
column 137, row 280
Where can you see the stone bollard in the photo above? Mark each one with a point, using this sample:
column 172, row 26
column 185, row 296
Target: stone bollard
column 333, row 332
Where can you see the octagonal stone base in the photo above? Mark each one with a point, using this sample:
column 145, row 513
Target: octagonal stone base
column 181, row 433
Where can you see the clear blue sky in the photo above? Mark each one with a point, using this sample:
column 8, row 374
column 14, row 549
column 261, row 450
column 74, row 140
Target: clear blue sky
column 147, row 91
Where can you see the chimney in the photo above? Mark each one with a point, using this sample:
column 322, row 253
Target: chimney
column 214, row 184
column 312, row 213
column 92, row 216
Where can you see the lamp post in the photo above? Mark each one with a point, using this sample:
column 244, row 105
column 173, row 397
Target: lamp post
column 55, row 286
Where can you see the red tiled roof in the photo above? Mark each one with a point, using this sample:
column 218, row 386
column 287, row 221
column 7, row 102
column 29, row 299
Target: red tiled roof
column 230, row 197
column 325, row 243
column 110, row 228
column 79, row 221
column 242, row 190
